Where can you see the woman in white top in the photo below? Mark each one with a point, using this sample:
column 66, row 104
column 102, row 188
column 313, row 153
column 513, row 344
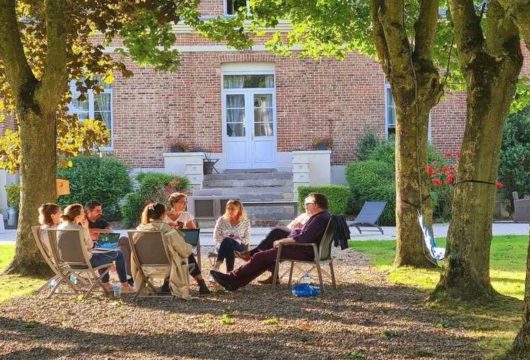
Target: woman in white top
column 74, row 218
column 231, row 233
column 178, row 217
column 49, row 216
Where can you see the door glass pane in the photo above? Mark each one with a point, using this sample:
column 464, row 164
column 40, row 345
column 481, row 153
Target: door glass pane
column 235, row 115
column 263, row 115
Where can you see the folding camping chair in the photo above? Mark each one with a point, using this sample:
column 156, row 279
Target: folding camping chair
column 151, row 256
column 72, row 258
column 322, row 255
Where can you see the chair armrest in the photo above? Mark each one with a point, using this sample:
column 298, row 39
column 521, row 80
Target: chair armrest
column 314, row 246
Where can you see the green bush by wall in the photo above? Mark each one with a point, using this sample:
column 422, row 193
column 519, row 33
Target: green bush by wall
column 151, row 187
column 337, row 195
column 13, row 195
column 93, row 178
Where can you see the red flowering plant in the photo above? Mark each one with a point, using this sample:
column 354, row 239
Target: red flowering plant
column 162, row 191
column 446, row 173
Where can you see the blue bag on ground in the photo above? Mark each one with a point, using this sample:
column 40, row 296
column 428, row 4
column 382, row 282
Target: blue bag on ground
column 305, row 290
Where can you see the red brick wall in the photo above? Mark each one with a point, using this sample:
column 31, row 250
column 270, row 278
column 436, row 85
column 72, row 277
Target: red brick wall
column 313, row 99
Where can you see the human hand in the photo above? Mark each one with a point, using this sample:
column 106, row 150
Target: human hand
column 180, row 225
column 277, row 243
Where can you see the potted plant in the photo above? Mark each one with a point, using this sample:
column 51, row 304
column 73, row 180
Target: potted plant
column 322, row 143
column 208, row 165
column 177, row 146
column 13, row 202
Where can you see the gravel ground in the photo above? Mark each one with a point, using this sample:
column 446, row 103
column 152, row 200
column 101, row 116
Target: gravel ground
column 365, row 318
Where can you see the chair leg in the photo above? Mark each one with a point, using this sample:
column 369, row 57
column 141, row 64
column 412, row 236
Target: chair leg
column 320, row 276
column 291, row 273
column 332, row 271
column 199, row 255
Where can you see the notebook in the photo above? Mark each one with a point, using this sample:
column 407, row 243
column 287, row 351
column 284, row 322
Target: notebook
column 191, row 236
column 108, row 241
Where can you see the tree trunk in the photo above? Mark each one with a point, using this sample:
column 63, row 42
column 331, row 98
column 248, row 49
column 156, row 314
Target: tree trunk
column 490, row 90
column 37, row 175
column 412, row 187
column 521, row 344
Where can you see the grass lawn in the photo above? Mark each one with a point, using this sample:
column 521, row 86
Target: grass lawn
column 14, row 285
column 494, row 325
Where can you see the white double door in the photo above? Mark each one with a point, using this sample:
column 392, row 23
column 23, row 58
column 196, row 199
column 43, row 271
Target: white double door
column 249, row 128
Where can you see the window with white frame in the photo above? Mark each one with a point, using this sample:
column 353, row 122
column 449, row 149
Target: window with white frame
column 233, row 6
column 390, row 113
column 95, row 106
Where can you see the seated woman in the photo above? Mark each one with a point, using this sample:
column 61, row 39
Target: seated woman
column 49, row 216
column 74, row 218
column 152, row 219
column 231, row 233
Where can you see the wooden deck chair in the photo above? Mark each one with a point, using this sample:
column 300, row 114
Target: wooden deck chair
column 322, row 255
column 43, row 244
column 369, row 216
column 151, row 256
column 72, row 257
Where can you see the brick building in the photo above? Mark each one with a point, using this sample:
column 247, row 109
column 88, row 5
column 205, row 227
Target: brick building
column 251, row 109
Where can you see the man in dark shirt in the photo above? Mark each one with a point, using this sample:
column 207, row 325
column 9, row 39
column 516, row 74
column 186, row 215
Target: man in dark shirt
column 316, row 206
column 97, row 225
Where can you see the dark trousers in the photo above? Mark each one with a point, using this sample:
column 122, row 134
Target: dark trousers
column 268, row 242
column 226, row 252
column 193, row 266
column 263, row 261
column 107, row 258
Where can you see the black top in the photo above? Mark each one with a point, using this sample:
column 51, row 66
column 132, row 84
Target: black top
column 98, row 224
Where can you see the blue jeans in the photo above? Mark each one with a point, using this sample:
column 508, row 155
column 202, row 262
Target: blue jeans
column 226, row 251
column 107, row 258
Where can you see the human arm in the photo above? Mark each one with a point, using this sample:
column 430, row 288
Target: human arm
column 244, row 232
column 313, row 230
column 285, row 241
column 218, row 231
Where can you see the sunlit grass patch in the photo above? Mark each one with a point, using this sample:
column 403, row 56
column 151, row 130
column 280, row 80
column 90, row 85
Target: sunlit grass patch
column 495, row 325
column 12, row 286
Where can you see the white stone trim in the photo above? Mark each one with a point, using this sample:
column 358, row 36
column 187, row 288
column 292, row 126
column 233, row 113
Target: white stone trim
column 202, row 48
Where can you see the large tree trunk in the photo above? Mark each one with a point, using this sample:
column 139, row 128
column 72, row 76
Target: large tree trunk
column 416, row 88
column 37, row 174
column 412, row 187
column 521, row 344
column 491, row 69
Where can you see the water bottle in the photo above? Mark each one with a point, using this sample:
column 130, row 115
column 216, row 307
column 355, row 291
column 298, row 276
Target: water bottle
column 73, row 278
column 306, row 279
column 53, row 283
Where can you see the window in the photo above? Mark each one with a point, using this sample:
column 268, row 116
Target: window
column 233, row 6
column 96, row 106
column 390, row 113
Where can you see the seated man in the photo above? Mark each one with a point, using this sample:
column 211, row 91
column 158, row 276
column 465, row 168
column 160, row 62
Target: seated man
column 97, row 225
column 316, row 206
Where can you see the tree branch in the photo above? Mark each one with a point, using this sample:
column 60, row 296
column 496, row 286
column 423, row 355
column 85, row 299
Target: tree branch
column 520, row 11
column 425, row 28
column 17, row 69
column 54, row 75
column 468, row 33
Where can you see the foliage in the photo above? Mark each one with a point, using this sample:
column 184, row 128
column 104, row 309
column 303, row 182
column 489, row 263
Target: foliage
column 152, row 186
column 514, row 167
column 372, row 180
column 337, row 196
column 145, row 28
column 93, row 178
column 13, row 195
column 366, row 145
column 322, row 143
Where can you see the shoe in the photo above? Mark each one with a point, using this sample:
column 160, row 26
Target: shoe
column 222, row 279
column 127, row 289
column 244, row 255
column 203, row 289
column 165, row 289
column 268, row 281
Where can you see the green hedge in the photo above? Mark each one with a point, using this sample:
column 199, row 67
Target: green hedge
column 151, row 187
column 337, row 195
column 13, row 195
column 93, row 178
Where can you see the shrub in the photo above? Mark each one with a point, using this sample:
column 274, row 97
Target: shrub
column 93, row 178
column 514, row 165
column 13, row 195
column 366, row 144
column 151, row 187
column 337, row 196
column 385, row 152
